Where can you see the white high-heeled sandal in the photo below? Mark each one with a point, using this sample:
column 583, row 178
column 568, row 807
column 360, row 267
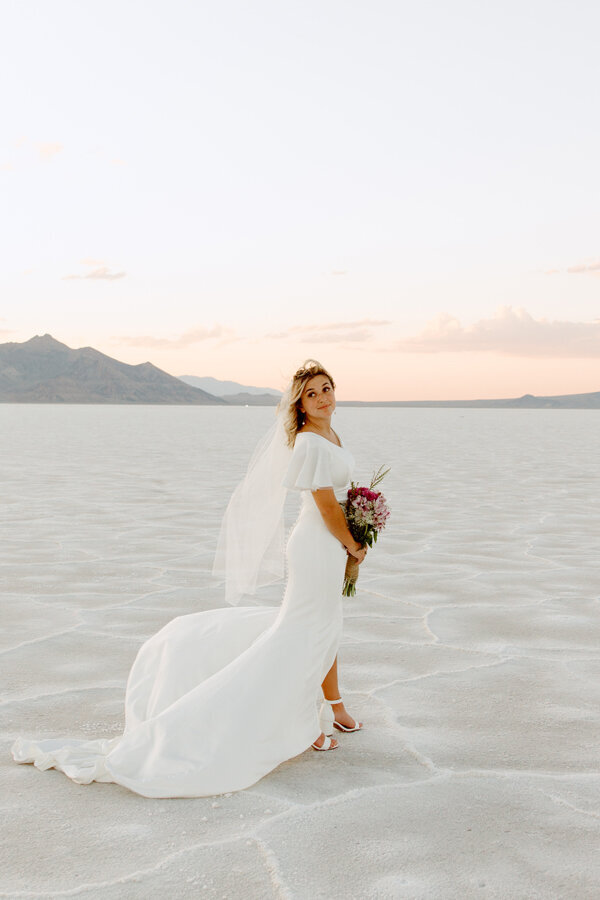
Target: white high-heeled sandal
column 326, row 745
column 327, row 719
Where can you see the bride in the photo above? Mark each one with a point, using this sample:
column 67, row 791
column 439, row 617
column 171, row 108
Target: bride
column 218, row 699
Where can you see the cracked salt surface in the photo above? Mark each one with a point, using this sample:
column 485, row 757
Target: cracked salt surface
column 471, row 652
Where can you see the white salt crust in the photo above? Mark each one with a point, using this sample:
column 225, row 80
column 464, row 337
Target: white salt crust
column 471, row 652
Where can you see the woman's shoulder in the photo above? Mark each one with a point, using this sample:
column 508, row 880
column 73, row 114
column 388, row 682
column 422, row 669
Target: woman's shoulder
column 305, row 435
column 317, row 439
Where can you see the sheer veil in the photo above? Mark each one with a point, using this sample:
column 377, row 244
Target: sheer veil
column 251, row 545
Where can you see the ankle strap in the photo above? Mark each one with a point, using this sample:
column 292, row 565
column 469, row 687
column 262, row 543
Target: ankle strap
column 332, row 702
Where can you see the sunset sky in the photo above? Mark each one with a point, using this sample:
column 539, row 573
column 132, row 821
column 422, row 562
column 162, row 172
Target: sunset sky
column 408, row 191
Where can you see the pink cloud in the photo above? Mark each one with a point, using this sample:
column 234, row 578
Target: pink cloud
column 48, row 150
column 193, row 336
column 585, row 267
column 512, row 332
column 101, row 273
column 332, row 332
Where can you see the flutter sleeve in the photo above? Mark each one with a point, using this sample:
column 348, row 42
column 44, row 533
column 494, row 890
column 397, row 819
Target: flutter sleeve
column 310, row 465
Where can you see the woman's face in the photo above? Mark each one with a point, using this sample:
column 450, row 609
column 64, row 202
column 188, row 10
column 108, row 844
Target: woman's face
column 318, row 398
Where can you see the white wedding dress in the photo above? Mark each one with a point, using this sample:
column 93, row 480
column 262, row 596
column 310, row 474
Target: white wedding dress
column 218, row 699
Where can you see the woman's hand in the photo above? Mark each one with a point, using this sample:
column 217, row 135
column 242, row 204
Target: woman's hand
column 358, row 552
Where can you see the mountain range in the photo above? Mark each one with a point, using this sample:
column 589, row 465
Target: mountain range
column 42, row 370
column 233, row 392
column 226, row 388
column 527, row 401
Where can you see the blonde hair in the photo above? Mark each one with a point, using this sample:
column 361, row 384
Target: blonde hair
column 289, row 405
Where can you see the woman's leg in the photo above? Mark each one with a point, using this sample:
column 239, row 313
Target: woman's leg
column 331, row 688
column 331, row 691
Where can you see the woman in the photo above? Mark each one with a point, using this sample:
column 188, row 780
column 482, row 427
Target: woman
column 218, row 699
column 310, row 408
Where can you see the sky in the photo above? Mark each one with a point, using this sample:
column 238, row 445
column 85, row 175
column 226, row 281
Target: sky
column 408, row 192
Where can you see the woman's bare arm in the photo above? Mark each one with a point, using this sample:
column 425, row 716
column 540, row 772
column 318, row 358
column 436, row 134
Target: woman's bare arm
column 335, row 520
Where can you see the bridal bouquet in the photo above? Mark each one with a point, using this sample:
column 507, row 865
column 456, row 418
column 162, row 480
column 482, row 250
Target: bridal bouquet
column 366, row 512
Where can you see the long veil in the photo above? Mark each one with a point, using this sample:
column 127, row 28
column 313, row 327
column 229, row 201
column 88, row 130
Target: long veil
column 250, row 549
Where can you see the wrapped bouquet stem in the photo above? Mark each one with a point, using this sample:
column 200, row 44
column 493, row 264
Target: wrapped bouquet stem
column 366, row 512
column 350, row 576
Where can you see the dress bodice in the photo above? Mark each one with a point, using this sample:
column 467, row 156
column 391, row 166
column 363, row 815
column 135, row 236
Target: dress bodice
column 318, row 463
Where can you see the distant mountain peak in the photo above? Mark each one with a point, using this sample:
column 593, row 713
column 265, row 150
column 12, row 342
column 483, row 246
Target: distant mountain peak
column 45, row 343
column 43, row 339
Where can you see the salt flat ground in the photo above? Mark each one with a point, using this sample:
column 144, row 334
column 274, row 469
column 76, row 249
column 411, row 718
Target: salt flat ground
column 471, row 652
